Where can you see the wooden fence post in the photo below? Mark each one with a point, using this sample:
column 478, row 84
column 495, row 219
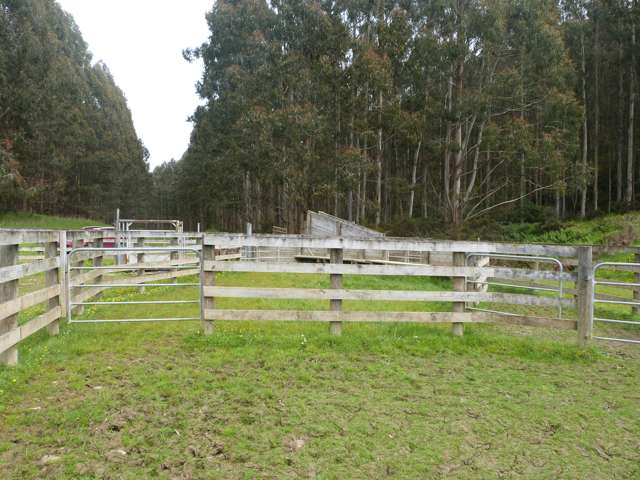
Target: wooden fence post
column 636, row 290
column 62, row 271
column 97, row 262
column 209, row 280
column 335, row 257
column 9, row 291
column 140, row 259
column 173, row 257
column 459, row 285
column 51, row 279
column 584, row 294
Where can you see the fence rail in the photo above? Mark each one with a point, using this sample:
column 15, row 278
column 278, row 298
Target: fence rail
column 332, row 263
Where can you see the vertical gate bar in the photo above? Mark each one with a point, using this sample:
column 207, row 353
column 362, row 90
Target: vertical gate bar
column 208, row 280
column 336, row 257
column 9, row 291
column 459, row 285
column 585, row 293
column 76, row 243
column 51, row 279
column 62, row 253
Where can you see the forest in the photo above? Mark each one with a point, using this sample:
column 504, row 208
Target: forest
column 384, row 111
column 443, row 112
column 67, row 141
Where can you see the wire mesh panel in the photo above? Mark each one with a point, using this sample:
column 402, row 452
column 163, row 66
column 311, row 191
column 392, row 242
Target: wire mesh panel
column 85, row 281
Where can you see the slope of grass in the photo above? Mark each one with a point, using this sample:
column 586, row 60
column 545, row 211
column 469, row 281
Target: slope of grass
column 616, row 229
column 45, row 222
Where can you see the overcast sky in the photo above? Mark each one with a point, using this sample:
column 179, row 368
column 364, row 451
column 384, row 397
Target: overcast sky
column 141, row 41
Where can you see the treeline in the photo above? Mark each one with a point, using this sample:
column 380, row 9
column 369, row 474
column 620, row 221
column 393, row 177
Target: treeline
column 67, row 141
column 385, row 110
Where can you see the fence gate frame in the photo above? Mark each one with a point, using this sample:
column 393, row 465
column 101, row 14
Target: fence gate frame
column 633, row 302
column 560, row 290
column 117, row 251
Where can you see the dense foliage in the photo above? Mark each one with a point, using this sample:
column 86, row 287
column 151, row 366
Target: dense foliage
column 67, row 141
column 379, row 111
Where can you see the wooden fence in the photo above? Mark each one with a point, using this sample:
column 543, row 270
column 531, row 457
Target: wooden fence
column 459, row 272
column 27, row 254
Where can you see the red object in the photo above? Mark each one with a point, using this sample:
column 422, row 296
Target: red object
column 107, row 242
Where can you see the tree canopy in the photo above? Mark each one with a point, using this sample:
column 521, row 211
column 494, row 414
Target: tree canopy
column 67, row 140
column 384, row 110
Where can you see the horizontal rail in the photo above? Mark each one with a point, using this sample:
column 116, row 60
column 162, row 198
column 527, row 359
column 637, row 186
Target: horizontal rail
column 617, row 302
column 141, row 266
column 28, row 300
column 616, row 284
column 136, row 320
column 15, row 237
column 395, row 270
column 623, row 340
column 387, row 243
column 515, row 285
column 24, row 331
column 136, row 285
column 338, row 316
column 609, row 320
column 382, row 295
column 16, row 272
column 140, row 302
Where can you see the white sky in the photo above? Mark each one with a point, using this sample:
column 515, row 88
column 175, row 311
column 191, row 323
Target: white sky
column 141, row 41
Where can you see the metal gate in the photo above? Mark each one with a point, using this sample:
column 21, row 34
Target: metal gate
column 76, row 282
column 559, row 290
column 633, row 302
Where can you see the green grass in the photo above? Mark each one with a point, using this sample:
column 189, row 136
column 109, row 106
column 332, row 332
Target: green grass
column 617, row 229
column 287, row 400
column 44, row 222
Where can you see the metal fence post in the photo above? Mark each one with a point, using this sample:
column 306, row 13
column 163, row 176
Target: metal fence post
column 9, row 291
column 584, row 297
column 459, row 285
column 73, row 292
column 336, row 257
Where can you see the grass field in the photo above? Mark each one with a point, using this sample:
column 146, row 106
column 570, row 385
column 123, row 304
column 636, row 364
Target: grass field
column 287, row 400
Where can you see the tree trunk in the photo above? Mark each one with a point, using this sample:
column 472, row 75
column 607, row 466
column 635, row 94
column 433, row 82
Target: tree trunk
column 628, row 200
column 619, row 188
column 379, row 163
column 596, row 114
column 414, row 178
column 585, row 168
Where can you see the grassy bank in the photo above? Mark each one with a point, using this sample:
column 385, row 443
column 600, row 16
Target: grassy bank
column 45, row 222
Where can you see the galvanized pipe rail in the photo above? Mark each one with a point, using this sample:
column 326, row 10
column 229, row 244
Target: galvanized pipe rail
column 635, row 303
column 118, row 251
